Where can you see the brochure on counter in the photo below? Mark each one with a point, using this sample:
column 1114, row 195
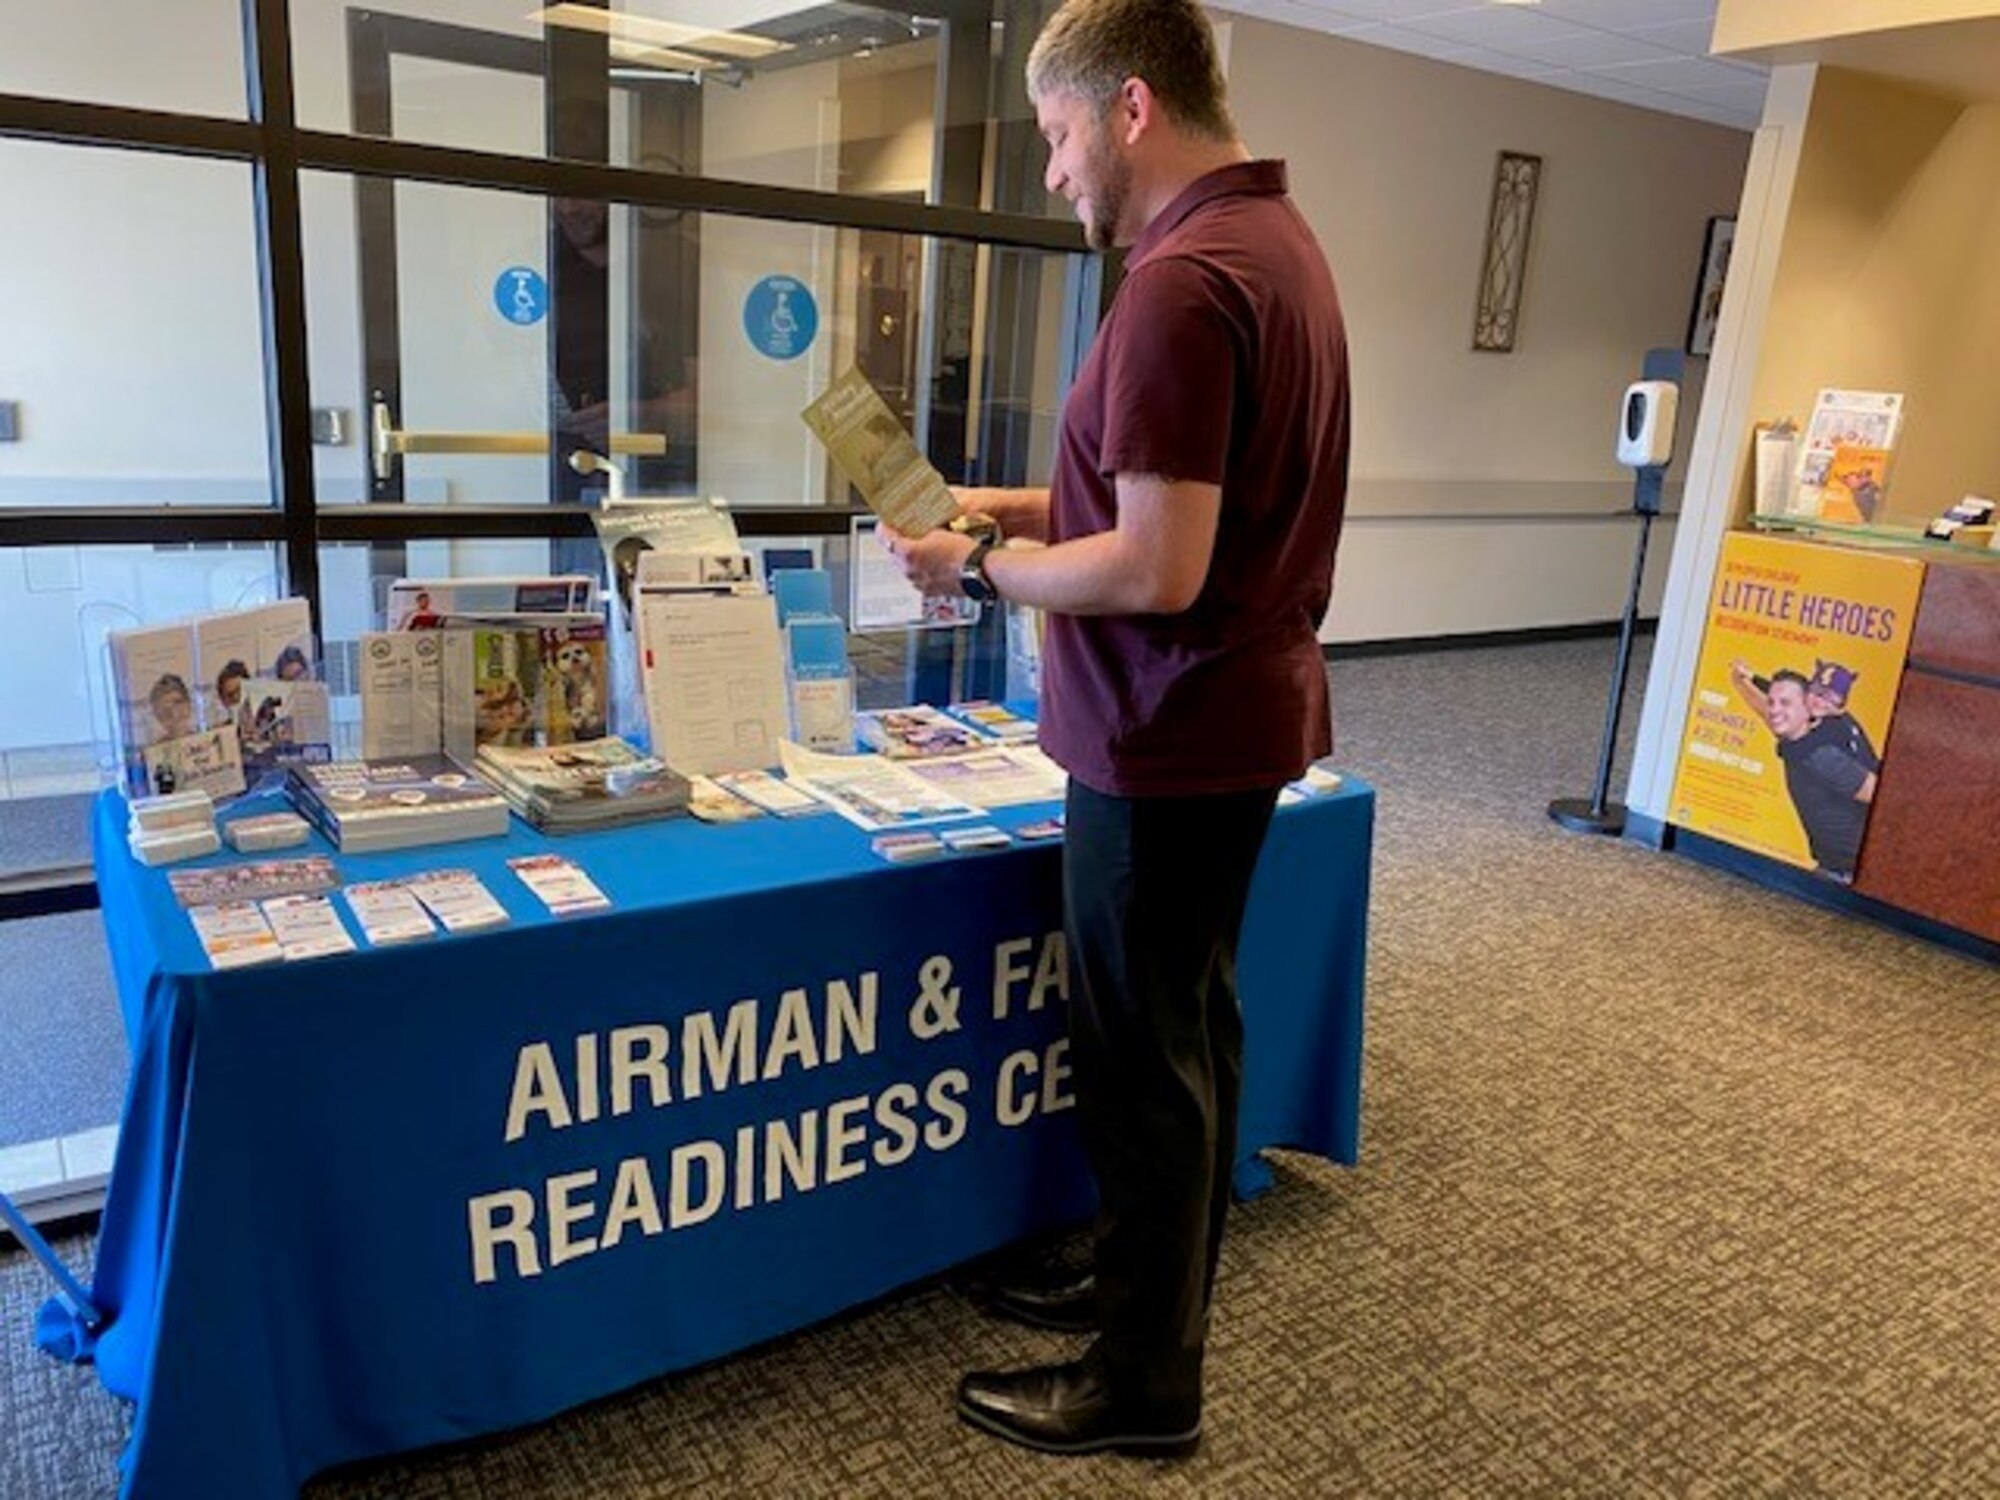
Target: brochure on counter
column 996, row 778
column 874, row 794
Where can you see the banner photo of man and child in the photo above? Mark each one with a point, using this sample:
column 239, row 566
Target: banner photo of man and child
column 1792, row 699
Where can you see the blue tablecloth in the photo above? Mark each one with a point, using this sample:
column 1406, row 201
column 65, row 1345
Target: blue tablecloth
column 378, row 1201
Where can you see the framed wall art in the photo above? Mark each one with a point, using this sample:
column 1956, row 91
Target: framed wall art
column 1707, row 310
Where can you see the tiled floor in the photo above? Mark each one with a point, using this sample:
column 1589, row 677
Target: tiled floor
column 60, row 1177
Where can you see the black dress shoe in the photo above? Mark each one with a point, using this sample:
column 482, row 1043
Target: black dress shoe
column 1067, row 1304
column 1067, row 1409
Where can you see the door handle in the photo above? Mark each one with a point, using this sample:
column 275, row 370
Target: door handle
column 389, row 442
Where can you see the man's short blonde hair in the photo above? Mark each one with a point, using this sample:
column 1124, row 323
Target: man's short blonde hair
column 1090, row 47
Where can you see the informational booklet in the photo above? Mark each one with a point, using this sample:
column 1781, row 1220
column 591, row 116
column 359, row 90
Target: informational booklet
column 873, row 793
column 997, row 778
column 401, row 683
column 918, row 732
column 234, row 934
column 389, row 912
column 254, row 880
column 823, row 713
column 712, row 802
column 457, row 899
column 629, row 529
column 1854, row 484
column 1045, row 828
column 881, row 598
column 872, row 449
column 229, row 647
column 771, row 793
column 285, row 721
column 153, row 676
column 559, row 884
column 307, row 926
column 364, row 806
column 522, row 680
column 414, row 600
column 996, row 720
column 714, row 671
column 1856, row 419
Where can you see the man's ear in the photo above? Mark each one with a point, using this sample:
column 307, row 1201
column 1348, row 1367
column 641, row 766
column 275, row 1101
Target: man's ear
column 1136, row 109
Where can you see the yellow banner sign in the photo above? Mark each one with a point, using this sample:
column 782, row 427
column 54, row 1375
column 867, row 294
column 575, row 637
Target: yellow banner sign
column 1792, row 698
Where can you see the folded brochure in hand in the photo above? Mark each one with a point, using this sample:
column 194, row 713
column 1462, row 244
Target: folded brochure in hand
column 870, row 447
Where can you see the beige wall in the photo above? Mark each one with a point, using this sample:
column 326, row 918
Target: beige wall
column 1865, row 259
column 1392, row 160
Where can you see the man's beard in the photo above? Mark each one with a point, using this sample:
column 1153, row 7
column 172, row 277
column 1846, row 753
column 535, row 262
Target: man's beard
column 1111, row 186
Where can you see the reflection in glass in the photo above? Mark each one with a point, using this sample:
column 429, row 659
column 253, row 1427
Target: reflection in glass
column 839, row 97
column 513, row 350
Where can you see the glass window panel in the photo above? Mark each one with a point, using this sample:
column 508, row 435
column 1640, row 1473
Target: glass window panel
column 437, row 314
column 837, row 97
column 57, row 736
column 133, row 342
column 180, row 55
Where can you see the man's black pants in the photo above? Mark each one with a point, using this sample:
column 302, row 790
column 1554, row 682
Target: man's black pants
column 1154, row 890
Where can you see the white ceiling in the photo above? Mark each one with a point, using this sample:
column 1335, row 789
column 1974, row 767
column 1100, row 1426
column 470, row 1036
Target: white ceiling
column 1652, row 53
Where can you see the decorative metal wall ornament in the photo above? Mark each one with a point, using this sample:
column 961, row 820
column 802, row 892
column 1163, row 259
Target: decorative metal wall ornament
column 1515, row 179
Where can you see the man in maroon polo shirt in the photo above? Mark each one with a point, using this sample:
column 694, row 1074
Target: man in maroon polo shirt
column 1191, row 526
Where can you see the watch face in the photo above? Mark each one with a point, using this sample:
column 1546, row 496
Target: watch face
column 972, row 575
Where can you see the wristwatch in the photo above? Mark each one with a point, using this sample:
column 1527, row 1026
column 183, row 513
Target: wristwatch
column 972, row 579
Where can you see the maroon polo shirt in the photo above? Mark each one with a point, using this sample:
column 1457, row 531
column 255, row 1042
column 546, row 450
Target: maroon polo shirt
column 1223, row 359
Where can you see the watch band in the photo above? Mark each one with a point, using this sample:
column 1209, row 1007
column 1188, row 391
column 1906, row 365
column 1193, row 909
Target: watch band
column 972, row 577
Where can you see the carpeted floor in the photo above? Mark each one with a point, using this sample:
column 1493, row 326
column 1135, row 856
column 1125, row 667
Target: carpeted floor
column 1670, row 1186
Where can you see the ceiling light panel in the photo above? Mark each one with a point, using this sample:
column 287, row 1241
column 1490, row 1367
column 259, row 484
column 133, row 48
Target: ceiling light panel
column 650, row 31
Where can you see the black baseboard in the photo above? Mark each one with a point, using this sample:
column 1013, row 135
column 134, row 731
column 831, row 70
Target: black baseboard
column 47, row 900
column 1480, row 640
column 1826, row 894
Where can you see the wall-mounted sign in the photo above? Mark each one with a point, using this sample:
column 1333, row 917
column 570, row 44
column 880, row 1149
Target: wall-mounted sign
column 780, row 317
column 521, row 295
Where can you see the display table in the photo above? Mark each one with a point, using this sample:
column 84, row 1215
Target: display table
column 374, row 1202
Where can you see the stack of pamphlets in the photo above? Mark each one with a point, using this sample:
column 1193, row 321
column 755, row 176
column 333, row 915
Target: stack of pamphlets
column 918, row 733
column 995, row 719
column 365, row 805
column 603, row 783
column 207, row 704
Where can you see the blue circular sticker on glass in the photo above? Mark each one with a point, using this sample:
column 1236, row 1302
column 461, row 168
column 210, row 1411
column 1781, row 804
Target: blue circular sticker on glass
column 521, row 295
column 780, row 317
